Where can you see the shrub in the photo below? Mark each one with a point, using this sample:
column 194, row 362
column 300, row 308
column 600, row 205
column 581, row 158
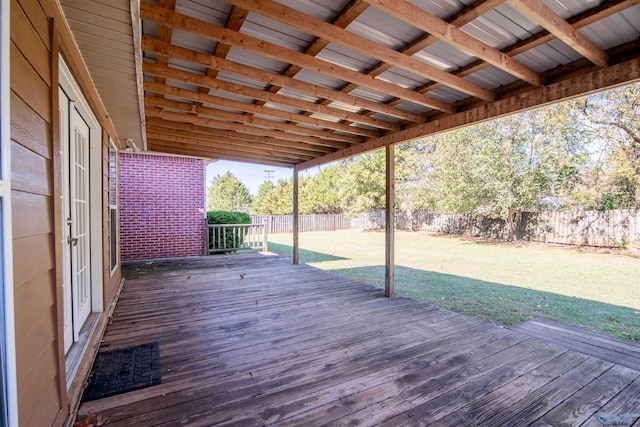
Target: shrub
column 227, row 238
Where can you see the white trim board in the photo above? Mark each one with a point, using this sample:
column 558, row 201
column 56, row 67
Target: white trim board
column 8, row 322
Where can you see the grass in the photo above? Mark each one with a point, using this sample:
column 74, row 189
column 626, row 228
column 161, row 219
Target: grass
column 503, row 283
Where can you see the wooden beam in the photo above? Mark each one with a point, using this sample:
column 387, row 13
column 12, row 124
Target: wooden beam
column 452, row 35
column 239, row 127
column 464, row 16
column 219, row 144
column 346, row 16
column 291, row 131
column 270, row 50
column 296, row 218
column 389, row 230
column 276, row 80
column 187, row 150
column 165, row 33
column 259, row 109
column 262, row 95
column 552, row 22
column 603, row 78
column 588, row 17
column 157, row 124
column 325, row 30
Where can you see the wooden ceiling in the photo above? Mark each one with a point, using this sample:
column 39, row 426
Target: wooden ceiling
column 301, row 83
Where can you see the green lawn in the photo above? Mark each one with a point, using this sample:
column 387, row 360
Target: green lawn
column 503, row 283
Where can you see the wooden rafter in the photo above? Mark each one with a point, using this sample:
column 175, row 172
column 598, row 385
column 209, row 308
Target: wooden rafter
column 451, row 34
column 265, row 96
column 588, row 17
column 254, row 114
column 275, row 80
column 244, row 107
column 206, row 142
column 360, row 44
column 552, row 22
column 161, row 125
column 349, row 14
column 237, row 138
column 466, row 15
column 584, row 83
column 251, row 125
column 164, row 34
column 224, row 154
column 270, row 50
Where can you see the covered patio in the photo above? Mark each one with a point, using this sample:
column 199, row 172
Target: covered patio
column 258, row 340
column 254, row 340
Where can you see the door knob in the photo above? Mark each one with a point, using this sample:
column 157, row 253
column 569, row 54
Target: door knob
column 72, row 241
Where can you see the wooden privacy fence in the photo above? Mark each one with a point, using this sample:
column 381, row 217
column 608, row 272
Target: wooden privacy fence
column 276, row 224
column 223, row 238
column 615, row 228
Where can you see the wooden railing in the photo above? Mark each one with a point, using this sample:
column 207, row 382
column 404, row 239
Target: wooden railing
column 224, row 238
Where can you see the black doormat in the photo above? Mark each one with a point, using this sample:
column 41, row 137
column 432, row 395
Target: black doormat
column 123, row 370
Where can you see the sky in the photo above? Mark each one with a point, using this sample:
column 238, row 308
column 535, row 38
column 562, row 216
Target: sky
column 251, row 175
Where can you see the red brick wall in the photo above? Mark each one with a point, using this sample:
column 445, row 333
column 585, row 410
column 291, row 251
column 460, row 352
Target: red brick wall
column 161, row 206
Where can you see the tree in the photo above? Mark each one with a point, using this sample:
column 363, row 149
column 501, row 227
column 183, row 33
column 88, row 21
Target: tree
column 227, row 193
column 274, row 199
column 319, row 193
column 613, row 119
column 363, row 187
column 261, row 203
column 507, row 166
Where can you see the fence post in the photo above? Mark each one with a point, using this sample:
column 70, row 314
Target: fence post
column 264, row 235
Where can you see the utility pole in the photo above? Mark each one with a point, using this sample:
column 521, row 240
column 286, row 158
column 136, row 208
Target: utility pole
column 269, row 175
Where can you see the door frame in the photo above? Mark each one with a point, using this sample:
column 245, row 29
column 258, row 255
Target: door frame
column 69, row 85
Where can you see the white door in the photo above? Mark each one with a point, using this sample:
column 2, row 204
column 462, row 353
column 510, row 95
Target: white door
column 76, row 247
column 63, row 108
column 79, row 240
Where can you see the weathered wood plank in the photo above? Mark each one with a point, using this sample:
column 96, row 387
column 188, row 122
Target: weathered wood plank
column 619, row 351
column 292, row 345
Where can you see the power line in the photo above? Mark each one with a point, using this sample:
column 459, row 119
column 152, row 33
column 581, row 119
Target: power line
column 269, row 175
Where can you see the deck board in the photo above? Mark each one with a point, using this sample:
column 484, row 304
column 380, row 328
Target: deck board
column 254, row 340
column 605, row 347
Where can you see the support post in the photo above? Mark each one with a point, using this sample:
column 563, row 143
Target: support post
column 265, row 244
column 389, row 274
column 296, row 219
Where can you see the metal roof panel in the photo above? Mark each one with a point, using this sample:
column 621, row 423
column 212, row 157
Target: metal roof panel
column 402, row 78
column 192, row 41
column 616, row 29
column 318, row 79
column 383, row 29
column 371, row 94
column 339, row 55
column 275, row 32
column 214, row 11
column 244, row 57
column 324, row 10
column 414, row 108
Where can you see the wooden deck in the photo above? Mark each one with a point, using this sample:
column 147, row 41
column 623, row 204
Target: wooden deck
column 254, row 340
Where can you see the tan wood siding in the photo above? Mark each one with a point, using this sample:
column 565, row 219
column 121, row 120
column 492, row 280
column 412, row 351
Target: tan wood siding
column 39, row 394
column 43, row 398
column 28, row 128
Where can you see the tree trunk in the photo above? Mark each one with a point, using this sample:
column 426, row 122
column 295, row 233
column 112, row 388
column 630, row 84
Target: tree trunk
column 512, row 225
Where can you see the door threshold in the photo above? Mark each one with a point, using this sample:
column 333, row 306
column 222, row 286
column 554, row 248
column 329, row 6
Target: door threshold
column 78, row 349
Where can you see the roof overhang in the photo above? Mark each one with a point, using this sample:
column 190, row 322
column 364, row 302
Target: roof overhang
column 301, row 83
